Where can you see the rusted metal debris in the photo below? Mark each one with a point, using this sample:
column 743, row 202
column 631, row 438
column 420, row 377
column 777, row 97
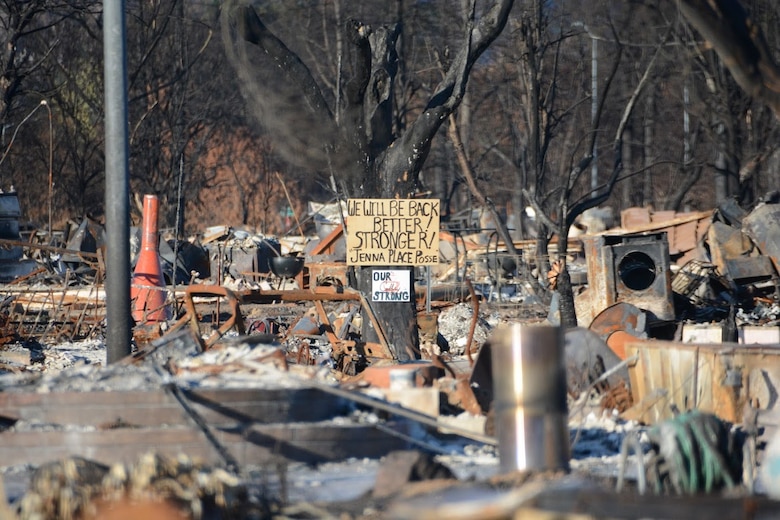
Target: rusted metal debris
column 618, row 323
column 48, row 304
column 348, row 352
column 631, row 293
column 52, row 313
column 627, row 268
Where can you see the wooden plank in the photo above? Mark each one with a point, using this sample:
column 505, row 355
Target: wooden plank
column 704, row 395
column 683, row 218
column 156, row 407
column 140, row 408
column 685, row 237
column 631, row 218
column 716, row 378
column 25, row 399
column 323, row 443
column 107, row 447
column 267, row 405
column 673, row 370
column 606, row 504
column 259, row 444
column 236, row 418
column 683, row 364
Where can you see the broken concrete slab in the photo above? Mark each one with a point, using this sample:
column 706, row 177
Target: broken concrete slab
column 704, row 333
column 760, row 334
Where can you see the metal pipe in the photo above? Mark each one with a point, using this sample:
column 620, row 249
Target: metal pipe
column 594, row 103
column 51, row 172
column 117, row 183
column 529, row 381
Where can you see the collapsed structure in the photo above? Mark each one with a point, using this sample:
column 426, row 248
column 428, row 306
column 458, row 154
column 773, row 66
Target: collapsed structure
column 265, row 362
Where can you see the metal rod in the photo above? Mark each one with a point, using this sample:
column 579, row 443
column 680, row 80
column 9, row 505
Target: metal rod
column 289, row 203
column 427, row 288
column 51, row 172
column 230, row 462
column 117, row 183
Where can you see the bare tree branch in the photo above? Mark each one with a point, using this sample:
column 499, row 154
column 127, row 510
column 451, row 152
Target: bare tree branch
column 740, row 43
column 468, row 174
column 594, row 201
column 448, row 93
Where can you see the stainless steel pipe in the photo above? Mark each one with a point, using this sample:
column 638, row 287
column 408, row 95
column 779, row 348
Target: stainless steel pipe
column 529, row 384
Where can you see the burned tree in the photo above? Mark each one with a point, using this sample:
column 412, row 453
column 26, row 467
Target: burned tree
column 551, row 136
column 740, row 43
column 355, row 136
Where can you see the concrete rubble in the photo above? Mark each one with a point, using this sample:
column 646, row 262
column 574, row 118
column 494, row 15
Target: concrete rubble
column 259, row 398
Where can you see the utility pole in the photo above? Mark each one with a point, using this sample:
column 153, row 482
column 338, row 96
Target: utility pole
column 117, row 184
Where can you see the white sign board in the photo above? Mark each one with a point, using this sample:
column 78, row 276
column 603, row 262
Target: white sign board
column 391, row 285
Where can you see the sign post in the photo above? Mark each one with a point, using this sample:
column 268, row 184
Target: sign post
column 388, row 232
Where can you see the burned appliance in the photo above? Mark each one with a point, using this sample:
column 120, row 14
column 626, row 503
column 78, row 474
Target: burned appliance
column 12, row 265
column 627, row 268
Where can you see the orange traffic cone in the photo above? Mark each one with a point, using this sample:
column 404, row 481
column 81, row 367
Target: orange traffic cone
column 148, row 288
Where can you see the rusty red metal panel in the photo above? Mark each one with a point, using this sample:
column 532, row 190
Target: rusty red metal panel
column 628, row 268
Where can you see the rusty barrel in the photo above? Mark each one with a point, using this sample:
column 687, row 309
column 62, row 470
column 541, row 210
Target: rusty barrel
column 529, row 384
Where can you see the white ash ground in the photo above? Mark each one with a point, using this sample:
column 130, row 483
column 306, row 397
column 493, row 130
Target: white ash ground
column 454, row 325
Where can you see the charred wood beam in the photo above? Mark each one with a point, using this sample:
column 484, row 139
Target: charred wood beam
column 379, row 96
column 355, row 65
column 43, row 247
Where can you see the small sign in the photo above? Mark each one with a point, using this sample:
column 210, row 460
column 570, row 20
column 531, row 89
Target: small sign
column 391, row 285
column 393, row 232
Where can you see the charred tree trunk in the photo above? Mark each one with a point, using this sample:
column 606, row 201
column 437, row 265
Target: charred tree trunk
column 358, row 147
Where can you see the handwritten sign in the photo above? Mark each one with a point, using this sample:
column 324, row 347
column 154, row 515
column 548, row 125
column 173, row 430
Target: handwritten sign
column 390, row 286
column 393, row 231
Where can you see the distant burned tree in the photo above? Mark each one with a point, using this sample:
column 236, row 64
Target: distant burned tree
column 174, row 69
column 555, row 119
column 23, row 31
column 353, row 133
column 244, row 171
column 53, row 50
column 30, row 41
column 739, row 90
